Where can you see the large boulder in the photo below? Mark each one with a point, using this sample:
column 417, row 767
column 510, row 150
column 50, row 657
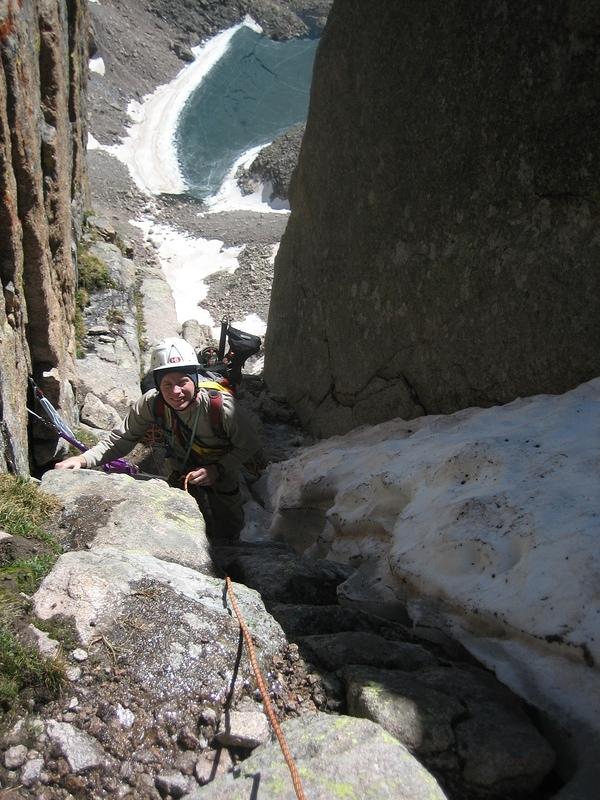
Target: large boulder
column 141, row 517
column 96, row 414
column 132, row 600
column 460, row 722
column 158, row 679
column 336, row 757
column 442, row 248
column 274, row 164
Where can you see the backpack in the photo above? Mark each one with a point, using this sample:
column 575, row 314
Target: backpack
column 228, row 365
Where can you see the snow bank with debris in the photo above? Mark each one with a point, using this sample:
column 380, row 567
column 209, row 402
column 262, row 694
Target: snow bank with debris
column 486, row 521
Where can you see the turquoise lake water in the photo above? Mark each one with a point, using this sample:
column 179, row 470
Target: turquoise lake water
column 256, row 91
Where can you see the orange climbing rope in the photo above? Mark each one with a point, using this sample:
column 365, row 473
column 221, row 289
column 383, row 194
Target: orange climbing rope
column 289, row 760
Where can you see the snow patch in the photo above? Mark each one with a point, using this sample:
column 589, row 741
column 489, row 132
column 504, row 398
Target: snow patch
column 97, row 65
column 186, row 262
column 93, row 143
column 485, row 522
column 251, row 323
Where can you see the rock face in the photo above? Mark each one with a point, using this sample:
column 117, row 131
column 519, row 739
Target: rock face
column 443, row 244
column 336, row 757
column 161, row 694
column 43, row 72
column 458, row 721
column 111, row 363
column 104, row 507
column 274, row 164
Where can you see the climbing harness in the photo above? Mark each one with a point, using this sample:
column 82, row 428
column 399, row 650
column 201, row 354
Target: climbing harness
column 289, row 759
column 173, row 427
column 54, row 422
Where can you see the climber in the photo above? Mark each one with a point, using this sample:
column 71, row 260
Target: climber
column 207, row 436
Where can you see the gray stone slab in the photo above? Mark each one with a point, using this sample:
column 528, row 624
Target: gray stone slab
column 336, row 757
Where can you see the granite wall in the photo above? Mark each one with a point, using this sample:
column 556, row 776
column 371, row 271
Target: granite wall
column 443, row 249
column 43, row 74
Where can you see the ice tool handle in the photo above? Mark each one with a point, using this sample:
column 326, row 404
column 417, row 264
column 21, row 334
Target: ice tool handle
column 60, row 427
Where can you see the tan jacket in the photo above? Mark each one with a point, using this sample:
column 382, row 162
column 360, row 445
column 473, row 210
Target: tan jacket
column 240, row 430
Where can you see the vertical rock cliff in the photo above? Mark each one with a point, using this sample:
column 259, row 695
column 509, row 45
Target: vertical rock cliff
column 444, row 244
column 43, row 73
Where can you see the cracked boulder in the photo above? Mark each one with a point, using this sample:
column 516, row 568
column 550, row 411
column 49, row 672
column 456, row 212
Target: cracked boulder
column 336, row 757
column 141, row 517
column 460, row 722
column 97, row 414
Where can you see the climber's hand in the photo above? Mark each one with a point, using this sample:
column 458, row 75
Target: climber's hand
column 75, row 462
column 205, row 476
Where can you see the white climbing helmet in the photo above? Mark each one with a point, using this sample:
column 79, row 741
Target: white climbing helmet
column 173, row 355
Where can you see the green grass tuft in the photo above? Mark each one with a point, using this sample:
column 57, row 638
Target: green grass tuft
column 93, row 274
column 24, row 508
column 114, row 316
column 139, row 320
column 23, row 668
column 62, row 629
column 28, row 573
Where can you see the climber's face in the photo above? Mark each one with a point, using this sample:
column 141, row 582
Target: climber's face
column 178, row 390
